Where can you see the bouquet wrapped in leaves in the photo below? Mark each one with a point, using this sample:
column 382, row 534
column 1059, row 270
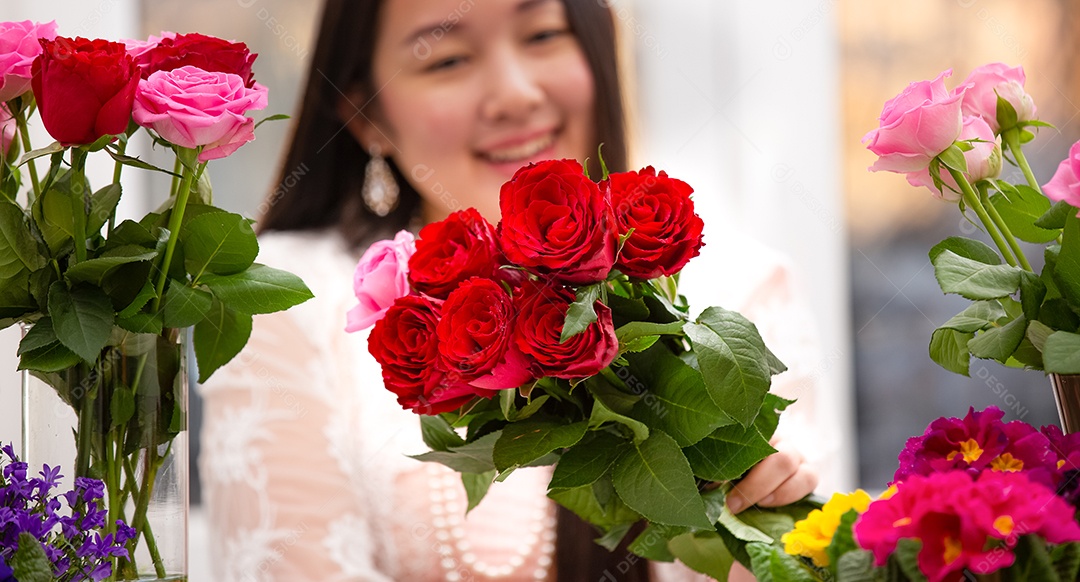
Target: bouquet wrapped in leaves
column 558, row 337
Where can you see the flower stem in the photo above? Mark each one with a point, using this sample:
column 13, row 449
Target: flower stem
column 972, row 200
column 24, row 135
column 1012, row 141
column 86, row 422
column 1005, row 232
column 78, row 210
column 117, row 169
column 175, row 220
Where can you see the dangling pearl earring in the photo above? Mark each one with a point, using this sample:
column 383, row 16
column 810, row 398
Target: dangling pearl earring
column 380, row 189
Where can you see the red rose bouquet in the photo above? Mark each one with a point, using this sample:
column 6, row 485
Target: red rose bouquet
column 558, row 337
column 109, row 306
column 972, row 496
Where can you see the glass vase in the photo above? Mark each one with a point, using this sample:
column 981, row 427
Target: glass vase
column 123, row 420
column 1067, row 397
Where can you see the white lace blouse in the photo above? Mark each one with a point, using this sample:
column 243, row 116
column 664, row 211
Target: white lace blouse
column 304, row 465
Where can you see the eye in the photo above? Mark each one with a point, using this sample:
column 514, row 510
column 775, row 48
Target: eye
column 446, row 64
column 546, row 35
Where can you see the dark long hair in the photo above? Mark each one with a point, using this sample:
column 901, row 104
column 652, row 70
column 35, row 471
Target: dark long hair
column 322, row 176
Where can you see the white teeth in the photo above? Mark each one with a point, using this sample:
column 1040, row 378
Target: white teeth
column 521, row 152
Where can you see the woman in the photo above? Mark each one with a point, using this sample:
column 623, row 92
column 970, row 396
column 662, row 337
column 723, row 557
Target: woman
column 413, row 109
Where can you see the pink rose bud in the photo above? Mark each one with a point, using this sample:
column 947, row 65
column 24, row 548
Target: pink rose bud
column 7, row 131
column 983, row 160
column 18, row 48
column 916, row 126
column 138, row 48
column 1065, row 185
column 381, row 277
column 985, row 84
column 191, row 107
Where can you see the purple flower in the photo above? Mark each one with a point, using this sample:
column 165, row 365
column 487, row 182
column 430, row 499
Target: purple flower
column 6, row 575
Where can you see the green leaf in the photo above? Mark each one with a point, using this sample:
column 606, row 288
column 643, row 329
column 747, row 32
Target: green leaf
column 588, row 460
column 1057, row 314
column 219, row 337
column 967, row 248
column 122, row 406
column 221, row 243
column 48, row 150
column 998, row 343
column 672, row 394
column 843, row 540
column 258, row 289
column 185, row 306
column 476, row 487
column 524, row 442
column 703, row 552
column 438, row 434
column 94, row 271
column 973, row 279
column 275, row 117
column 611, row 405
column 1037, row 332
column 53, row 357
column 1020, row 210
column 975, row 317
column 1066, row 558
column 582, row 311
column 130, row 232
column 772, row 564
column 1057, row 215
column 640, row 329
column 142, row 323
column 102, row 206
column 655, row 480
column 948, row 348
column 733, row 361
column 652, row 542
column 857, row 566
column 1067, row 269
column 137, row 163
column 638, row 345
column 1032, row 293
column 953, row 158
column 141, row 299
column 29, row 563
column 607, row 513
column 54, row 214
column 728, row 452
column 1061, row 354
column 39, row 335
column 1033, row 560
column 1006, row 114
column 474, row 457
column 907, row 558
column 17, row 248
column 82, row 317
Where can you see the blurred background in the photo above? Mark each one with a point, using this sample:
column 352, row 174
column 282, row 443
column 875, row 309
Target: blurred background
column 761, row 107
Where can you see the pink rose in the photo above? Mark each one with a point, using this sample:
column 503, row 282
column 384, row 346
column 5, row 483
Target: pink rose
column 191, row 107
column 1065, row 185
column 983, row 160
column 381, row 277
column 983, row 86
column 916, row 126
column 18, row 48
column 138, row 48
column 7, row 131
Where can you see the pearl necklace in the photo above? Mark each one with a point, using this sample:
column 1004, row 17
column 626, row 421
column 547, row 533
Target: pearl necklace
column 458, row 561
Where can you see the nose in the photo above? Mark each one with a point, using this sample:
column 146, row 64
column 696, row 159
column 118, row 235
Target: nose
column 512, row 90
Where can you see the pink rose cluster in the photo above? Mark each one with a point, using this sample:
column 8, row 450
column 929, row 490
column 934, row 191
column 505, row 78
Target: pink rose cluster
column 970, row 488
column 926, row 119
column 193, row 90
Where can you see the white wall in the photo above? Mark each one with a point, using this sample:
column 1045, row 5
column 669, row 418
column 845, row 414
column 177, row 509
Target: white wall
column 741, row 100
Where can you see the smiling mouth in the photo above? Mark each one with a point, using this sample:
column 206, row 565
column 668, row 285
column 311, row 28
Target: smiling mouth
column 520, row 152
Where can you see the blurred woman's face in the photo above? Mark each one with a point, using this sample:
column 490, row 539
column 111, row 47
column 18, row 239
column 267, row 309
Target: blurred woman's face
column 468, row 91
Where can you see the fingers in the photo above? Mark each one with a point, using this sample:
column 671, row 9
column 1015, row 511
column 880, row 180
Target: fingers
column 780, row 479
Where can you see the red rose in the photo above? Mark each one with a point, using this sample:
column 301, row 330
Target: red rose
column 666, row 234
column 476, row 337
column 405, row 345
column 84, row 88
column 557, row 222
column 208, row 53
column 451, row 251
column 541, row 312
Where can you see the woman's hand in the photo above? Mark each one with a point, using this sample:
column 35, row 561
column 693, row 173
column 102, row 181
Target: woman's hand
column 781, row 478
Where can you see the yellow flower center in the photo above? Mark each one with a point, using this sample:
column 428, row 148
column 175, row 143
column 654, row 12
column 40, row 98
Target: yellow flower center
column 1004, row 525
column 970, row 449
column 1061, row 463
column 901, row 522
column 953, row 549
column 1006, row 463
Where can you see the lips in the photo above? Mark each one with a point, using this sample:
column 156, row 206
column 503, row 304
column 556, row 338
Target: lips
column 521, row 151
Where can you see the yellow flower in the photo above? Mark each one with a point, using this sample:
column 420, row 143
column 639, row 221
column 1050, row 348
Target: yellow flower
column 812, row 535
